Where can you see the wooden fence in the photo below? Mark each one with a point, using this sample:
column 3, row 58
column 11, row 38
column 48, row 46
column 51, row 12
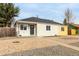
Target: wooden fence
column 7, row 32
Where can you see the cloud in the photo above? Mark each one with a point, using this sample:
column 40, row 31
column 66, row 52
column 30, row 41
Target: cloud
column 47, row 10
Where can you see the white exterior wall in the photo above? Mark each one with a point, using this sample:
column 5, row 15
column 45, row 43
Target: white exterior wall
column 22, row 32
column 41, row 29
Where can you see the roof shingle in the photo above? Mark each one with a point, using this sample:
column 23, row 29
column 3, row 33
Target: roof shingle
column 36, row 19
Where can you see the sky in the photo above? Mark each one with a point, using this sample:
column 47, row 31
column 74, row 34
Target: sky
column 51, row 11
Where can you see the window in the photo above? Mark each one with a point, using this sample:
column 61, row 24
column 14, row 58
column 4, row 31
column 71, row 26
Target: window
column 23, row 27
column 47, row 28
column 62, row 28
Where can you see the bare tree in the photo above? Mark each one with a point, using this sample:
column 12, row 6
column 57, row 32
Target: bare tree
column 65, row 22
column 68, row 15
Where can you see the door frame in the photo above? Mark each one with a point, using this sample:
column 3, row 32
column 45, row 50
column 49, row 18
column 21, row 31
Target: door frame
column 33, row 29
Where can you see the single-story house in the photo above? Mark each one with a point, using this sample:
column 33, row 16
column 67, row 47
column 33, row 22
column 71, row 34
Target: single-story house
column 77, row 26
column 35, row 26
column 73, row 29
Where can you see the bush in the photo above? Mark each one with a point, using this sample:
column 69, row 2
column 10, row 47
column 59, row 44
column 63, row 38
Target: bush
column 7, row 31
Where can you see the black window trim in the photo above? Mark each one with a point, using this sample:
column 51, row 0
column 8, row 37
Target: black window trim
column 23, row 27
column 62, row 28
column 48, row 27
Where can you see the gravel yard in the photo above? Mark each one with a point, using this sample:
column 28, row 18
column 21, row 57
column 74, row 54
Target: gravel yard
column 75, row 44
column 48, row 51
column 39, row 46
column 10, row 45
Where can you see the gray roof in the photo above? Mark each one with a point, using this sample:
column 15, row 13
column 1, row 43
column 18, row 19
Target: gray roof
column 36, row 19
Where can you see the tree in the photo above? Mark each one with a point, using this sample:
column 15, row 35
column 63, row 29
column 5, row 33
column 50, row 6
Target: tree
column 68, row 15
column 65, row 22
column 7, row 12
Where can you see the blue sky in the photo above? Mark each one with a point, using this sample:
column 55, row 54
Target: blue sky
column 51, row 11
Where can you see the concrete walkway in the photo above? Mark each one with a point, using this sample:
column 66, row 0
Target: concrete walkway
column 67, row 45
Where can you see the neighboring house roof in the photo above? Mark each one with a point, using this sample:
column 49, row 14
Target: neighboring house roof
column 71, row 26
column 74, row 26
column 36, row 19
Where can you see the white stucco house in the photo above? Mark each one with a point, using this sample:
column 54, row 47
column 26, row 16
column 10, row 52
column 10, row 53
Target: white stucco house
column 35, row 26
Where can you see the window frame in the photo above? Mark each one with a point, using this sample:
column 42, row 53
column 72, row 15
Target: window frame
column 23, row 27
column 62, row 28
column 48, row 27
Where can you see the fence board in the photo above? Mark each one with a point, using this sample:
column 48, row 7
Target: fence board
column 7, row 32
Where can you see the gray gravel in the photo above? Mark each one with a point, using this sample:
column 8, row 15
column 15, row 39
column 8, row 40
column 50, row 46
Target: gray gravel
column 48, row 51
column 75, row 44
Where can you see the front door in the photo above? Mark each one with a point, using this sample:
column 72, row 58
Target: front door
column 31, row 29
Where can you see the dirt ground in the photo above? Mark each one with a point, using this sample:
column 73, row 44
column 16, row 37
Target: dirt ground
column 10, row 45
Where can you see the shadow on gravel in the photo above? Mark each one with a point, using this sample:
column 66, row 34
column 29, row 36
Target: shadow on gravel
column 47, row 51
